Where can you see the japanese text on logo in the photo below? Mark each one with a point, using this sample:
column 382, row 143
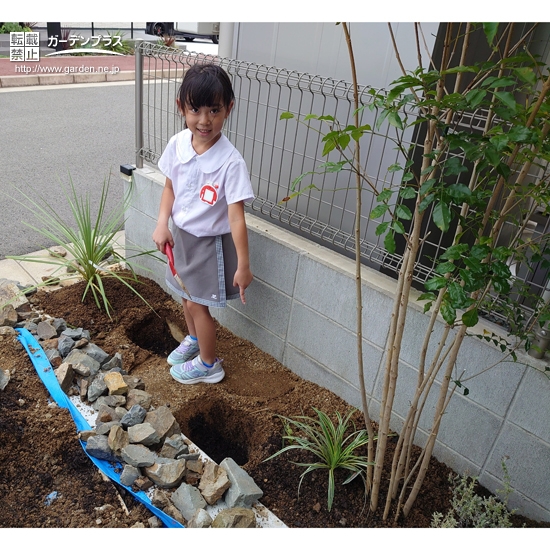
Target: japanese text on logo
column 24, row 46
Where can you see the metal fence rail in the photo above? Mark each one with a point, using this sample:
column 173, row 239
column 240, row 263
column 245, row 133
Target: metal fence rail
column 278, row 151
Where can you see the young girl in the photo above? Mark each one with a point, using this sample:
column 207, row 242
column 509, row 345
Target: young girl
column 206, row 185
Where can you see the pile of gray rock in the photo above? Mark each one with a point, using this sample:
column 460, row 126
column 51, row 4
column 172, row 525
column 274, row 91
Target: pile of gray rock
column 147, row 442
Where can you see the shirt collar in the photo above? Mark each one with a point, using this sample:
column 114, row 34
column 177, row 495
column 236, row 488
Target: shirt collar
column 209, row 161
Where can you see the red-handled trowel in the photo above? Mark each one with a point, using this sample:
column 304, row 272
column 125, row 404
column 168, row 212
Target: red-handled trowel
column 170, row 255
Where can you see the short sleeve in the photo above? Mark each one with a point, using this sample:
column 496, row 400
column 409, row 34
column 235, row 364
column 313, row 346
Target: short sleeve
column 166, row 160
column 237, row 186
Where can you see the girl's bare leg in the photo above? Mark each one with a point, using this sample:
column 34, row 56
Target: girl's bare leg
column 205, row 329
column 189, row 319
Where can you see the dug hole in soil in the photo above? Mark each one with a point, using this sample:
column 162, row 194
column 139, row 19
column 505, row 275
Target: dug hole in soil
column 40, row 453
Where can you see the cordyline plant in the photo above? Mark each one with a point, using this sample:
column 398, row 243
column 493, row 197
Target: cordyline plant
column 468, row 183
column 89, row 240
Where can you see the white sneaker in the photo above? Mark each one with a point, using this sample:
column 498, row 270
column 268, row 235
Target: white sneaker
column 188, row 349
column 194, row 371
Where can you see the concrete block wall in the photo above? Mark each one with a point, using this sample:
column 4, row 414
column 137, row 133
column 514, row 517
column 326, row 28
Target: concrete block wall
column 301, row 310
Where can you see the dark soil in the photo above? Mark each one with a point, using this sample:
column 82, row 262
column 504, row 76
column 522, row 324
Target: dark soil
column 40, row 452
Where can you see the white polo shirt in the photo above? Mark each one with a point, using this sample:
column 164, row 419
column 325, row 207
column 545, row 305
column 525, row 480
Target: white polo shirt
column 204, row 184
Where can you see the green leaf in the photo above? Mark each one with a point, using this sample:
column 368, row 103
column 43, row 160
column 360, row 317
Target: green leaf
column 442, row 216
column 502, row 82
column 448, row 312
column 381, row 229
column 384, row 195
column 474, row 265
column 298, row 193
column 490, row 30
column 407, row 193
column 403, row 212
column 333, row 166
column 330, row 145
column 501, row 286
column 457, row 296
column 357, row 133
column 480, row 251
column 298, row 180
column 500, row 269
column 503, row 169
column 435, row 283
column 459, row 192
column 500, row 142
column 470, row 318
column 493, row 156
column 381, row 118
column 453, row 167
column 526, row 74
column 378, row 211
column 398, row 227
column 389, row 242
column 445, row 267
column 461, row 69
column 508, row 99
column 520, row 134
column 425, row 202
column 286, row 115
column 475, row 97
column 396, row 91
column 343, row 140
column 427, row 296
column 394, row 168
column 395, row 120
column 455, row 252
column 427, row 186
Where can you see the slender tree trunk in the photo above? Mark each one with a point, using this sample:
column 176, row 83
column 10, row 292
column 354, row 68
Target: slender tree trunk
column 440, row 408
column 358, row 280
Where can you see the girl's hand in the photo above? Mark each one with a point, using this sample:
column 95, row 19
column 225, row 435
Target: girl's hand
column 243, row 277
column 161, row 236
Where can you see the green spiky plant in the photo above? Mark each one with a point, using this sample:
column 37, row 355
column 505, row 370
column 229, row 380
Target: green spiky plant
column 334, row 445
column 88, row 240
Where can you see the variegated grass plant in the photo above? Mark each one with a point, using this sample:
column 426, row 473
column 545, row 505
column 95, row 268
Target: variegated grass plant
column 334, row 445
column 89, row 241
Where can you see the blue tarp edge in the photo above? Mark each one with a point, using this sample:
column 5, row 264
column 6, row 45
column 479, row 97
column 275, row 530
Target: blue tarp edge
column 45, row 372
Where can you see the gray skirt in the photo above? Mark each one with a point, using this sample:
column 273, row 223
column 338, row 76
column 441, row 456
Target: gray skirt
column 206, row 265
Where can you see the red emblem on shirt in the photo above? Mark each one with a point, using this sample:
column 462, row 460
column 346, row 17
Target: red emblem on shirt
column 208, row 194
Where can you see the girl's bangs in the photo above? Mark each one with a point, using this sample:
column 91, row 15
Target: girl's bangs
column 207, row 93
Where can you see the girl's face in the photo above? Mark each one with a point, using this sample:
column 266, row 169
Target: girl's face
column 206, row 124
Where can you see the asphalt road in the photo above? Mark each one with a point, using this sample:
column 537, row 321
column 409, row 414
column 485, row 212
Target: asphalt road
column 49, row 134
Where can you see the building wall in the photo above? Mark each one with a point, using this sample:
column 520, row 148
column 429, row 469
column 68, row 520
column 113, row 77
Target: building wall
column 320, row 48
column 301, row 310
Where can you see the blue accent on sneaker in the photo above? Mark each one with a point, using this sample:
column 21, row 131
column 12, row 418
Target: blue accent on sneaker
column 188, row 349
column 194, row 371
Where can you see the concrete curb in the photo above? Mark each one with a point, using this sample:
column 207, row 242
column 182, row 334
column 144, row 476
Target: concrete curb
column 52, row 79
column 84, row 78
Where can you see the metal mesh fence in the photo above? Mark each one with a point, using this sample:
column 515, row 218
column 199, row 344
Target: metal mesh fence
column 279, row 151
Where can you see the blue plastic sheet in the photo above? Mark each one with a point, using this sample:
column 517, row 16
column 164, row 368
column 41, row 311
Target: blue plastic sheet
column 47, row 375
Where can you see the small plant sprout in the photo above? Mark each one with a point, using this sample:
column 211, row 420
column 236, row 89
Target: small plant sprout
column 334, row 445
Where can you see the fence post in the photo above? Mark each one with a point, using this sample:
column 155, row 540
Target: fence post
column 139, row 103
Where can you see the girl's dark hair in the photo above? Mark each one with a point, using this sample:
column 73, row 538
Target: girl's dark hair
column 205, row 85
